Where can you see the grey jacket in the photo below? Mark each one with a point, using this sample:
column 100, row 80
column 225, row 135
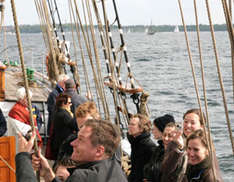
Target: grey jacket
column 107, row 170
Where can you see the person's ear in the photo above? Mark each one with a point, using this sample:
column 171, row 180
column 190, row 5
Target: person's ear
column 100, row 151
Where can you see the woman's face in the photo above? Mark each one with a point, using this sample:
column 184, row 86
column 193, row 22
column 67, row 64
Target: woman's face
column 156, row 132
column 191, row 123
column 196, row 151
column 168, row 135
column 68, row 104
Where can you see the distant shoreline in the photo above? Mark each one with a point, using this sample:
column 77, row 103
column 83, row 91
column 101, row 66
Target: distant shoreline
column 130, row 28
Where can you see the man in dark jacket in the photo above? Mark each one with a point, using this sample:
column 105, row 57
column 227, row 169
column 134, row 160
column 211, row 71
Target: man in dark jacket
column 76, row 99
column 3, row 125
column 59, row 88
column 99, row 137
column 142, row 146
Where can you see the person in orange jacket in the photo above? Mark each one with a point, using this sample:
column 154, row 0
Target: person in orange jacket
column 20, row 111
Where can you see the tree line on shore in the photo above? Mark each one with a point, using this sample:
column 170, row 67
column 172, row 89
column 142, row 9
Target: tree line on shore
column 129, row 28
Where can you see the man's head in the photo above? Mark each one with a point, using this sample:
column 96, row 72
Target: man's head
column 138, row 124
column 61, row 80
column 70, row 84
column 85, row 111
column 21, row 96
column 97, row 140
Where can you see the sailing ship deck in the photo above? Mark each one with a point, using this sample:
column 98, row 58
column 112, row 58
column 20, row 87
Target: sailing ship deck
column 14, row 80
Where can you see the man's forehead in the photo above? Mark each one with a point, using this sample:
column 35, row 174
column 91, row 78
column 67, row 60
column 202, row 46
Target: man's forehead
column 135, row 119
column 85, row 131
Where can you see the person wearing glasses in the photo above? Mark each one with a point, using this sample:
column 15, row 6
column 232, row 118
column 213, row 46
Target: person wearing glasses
column 63, row 123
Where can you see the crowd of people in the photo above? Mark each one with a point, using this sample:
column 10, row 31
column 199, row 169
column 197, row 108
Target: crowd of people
column 85, row 147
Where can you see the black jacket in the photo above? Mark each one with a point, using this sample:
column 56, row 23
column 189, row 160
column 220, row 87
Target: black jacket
column 142, row 148
column 63, row 126
column 152, row 169
column 51, row 102
column 3, row 125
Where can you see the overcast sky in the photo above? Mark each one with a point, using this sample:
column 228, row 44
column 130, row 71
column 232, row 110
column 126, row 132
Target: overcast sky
column 131, row 12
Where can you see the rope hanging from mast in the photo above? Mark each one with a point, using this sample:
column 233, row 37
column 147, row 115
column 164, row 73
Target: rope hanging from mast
column 95, row 75
column 220, row 76
column 24, row 75
column 211, row 151
column 217, row 63
column 72, row 14
column 2, row 8
column 53, row 66
column 64, row 54
column 107, row 58
column 135, row 95
column 228, row 17
column 98, row 64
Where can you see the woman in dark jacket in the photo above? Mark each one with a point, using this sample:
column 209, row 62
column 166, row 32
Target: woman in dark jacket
column 141, row 145
column 199, row 166
column 152, row 169
column 63, row 123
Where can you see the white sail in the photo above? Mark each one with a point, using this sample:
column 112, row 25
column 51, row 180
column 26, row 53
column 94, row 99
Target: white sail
column 176, row 29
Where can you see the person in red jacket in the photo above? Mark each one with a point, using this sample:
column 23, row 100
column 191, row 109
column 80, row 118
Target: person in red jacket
column 20, row 111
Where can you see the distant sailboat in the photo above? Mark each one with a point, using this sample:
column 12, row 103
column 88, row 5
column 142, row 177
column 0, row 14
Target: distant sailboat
column 146, row 30
column 150, row 30
column 176, row 29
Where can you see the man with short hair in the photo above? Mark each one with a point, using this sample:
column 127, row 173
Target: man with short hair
column 59, row 88
column 94, row 149
column 84, row 112
column 76, row 99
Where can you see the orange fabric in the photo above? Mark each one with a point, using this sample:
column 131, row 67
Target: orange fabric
column 21, row 113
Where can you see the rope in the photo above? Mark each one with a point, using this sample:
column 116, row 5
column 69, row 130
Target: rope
column 63, row 36
column 7, row 164
column 106, row 51
column 5, row 45
column 220, row 76
column 97, row 85
column 49, row 38
column 98, row 65
column 54, row 25
column 41, row 20
column 123, row 44
column 74, row 45
column 2, row 16
column 78, row 28
column 230, row 7
column 189, row 54
column 24, row 73
column 209, row 139
column 228, row 17
column 87, row 84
